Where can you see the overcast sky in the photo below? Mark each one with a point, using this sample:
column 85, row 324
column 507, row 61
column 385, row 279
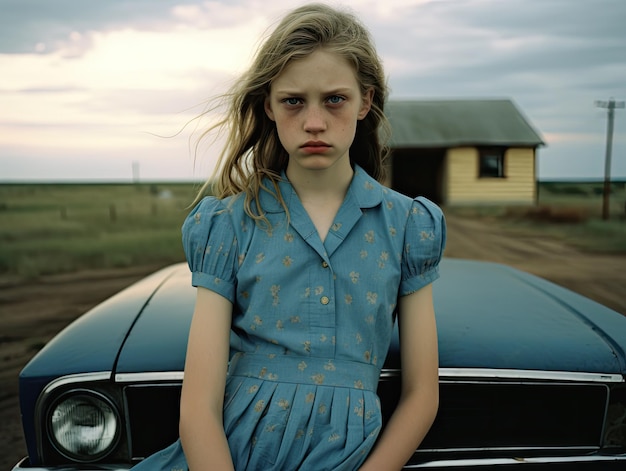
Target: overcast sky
column 87, row 88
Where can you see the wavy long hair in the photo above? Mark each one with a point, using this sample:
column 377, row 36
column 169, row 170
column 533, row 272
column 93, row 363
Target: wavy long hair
column 253, row 150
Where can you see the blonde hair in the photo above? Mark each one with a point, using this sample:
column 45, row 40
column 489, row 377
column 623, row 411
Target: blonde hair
column 253, row 150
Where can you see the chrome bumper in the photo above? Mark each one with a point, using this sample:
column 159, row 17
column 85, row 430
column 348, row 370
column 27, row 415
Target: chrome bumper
column 586, row 462
column 23, row 465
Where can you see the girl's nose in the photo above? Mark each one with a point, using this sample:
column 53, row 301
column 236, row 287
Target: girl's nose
column 314, row 120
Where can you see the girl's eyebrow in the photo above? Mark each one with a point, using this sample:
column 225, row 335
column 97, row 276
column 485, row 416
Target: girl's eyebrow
column 295, row 91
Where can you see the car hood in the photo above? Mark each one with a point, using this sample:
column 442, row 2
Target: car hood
column 93, row 341
column 158, row 340
column 493, row 316
column 488, row 316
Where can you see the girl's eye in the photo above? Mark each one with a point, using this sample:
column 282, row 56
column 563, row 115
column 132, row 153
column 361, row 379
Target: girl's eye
column 335, row 99
column 291, row 101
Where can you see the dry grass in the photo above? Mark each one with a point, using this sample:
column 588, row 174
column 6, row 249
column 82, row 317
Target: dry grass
column 49, row 228
column 46, row 229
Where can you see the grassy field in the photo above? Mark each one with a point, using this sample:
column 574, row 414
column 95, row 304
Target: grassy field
column 56, row 228
column 586, row 229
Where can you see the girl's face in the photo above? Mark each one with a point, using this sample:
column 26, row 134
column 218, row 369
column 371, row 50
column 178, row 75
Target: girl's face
column 315, row 103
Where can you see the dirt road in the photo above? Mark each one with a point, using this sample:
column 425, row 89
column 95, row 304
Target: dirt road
column 601, row 277
column 31, row 314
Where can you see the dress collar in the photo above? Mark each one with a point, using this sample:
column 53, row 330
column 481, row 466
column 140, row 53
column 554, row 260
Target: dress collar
column 366, row 191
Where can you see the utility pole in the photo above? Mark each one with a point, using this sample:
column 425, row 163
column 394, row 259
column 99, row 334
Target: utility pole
column 135, row 166
column 610, row 105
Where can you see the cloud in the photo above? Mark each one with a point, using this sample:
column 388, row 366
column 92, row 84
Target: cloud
column 97, row 77
column 553, row 57
column 44, row 26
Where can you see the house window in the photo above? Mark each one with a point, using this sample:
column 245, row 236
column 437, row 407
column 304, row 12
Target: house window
column 491, row 163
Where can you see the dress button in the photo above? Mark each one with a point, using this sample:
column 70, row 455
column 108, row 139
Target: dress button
column 324, row 300
column 324, row 264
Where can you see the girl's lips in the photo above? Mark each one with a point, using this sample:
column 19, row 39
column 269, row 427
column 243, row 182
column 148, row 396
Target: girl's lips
column 315, row 147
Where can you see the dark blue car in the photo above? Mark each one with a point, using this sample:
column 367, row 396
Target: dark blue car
column 530, row 373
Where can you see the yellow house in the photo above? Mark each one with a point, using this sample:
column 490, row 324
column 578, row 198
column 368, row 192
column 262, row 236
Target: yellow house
column 463, row 151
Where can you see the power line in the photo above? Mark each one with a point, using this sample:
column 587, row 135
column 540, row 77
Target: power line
column 610, row 105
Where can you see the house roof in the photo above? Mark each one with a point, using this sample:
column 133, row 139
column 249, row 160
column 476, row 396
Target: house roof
column 453, row 123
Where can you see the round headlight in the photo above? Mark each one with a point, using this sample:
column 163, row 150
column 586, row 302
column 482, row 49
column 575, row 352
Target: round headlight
column 84, row 426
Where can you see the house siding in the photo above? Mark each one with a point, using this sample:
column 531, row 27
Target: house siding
column 465, row 187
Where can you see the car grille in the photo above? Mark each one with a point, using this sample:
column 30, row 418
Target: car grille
column 519, row 415
column 152, row 415
column 474, row 416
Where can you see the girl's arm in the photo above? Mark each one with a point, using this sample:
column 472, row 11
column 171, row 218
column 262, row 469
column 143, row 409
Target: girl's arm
column 202, row 398
column 419, row 398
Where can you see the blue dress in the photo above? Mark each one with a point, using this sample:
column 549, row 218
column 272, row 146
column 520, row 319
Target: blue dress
column 312, row 320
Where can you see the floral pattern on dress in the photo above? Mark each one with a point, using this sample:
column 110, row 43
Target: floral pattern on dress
column 312, row 320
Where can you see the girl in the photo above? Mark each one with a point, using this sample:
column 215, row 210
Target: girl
column 301, row 262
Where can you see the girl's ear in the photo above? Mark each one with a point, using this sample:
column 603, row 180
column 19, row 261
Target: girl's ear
column 268, row 109
column 366, row 103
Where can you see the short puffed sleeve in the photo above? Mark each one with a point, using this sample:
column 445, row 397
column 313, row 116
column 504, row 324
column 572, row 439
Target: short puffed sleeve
column 210, row 245
column 424, row 242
